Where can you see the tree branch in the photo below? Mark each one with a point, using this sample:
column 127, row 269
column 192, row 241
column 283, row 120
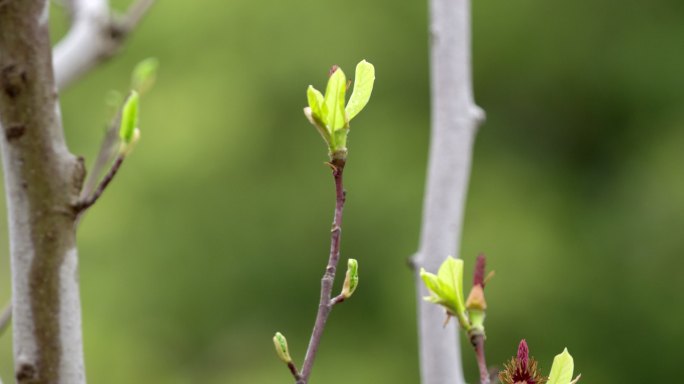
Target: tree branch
column 94, row 36
column 455, row 118
column 87, row 202
column 42, row 182
column 5, row 317
column 326, row 304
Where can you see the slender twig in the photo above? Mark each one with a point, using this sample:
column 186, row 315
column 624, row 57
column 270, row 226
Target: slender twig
column 338, row 299
column 326, row 304
column 5, row 317
column 135, row 14
column 104, row 157
column 478, row 341
column 477, row 336
column 294, row 371
column 88, row 202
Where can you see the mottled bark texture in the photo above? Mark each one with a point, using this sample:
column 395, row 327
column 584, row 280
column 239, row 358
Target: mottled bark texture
column 455, row 119
column 42, row 184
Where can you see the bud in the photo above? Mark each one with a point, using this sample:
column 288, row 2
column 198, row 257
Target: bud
column 280, row 343
column 351, row 280
column 476, row 299
column 144, row 75
column 129, row 117
column 522, row 369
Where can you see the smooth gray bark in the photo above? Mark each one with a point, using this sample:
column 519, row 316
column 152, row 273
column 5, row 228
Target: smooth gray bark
column 42, row 183
column 43, row 179
column 455, row 119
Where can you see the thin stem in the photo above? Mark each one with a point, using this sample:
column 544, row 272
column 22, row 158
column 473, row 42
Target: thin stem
column 88, row 202
column 5, row 317
column 478, row 343
column 325, row 305
column 294, row 371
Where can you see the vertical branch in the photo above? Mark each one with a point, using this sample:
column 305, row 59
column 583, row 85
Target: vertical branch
column 455, row 119
column 325, row 305
column 42, row 182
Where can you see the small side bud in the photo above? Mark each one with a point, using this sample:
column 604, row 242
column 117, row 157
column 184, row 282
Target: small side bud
column 144, row 75
column 129, row 117
column 476, row 299
column 280, row 343
column 351, row 280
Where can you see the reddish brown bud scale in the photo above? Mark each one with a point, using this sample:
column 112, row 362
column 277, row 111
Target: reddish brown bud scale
column 523, row 354
column 479, row 275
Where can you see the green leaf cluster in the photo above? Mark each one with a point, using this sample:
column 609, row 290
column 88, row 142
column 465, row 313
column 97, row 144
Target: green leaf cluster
column 329, row 114
column 446, row 289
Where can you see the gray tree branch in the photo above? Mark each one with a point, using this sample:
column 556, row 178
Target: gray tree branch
column 43, row 179
column 95, row 35
column 455, row 119
column 42, row 182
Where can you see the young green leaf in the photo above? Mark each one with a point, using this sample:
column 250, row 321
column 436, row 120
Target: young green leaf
column 333, row 105
column 129, row 117
column 363, row 87
column 351, row 280
column 316, row 100
column 561, row 370
column 451, row 273
column 144, row 75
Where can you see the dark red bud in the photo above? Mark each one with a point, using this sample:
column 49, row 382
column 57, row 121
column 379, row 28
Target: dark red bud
column 478, row 278
column 523, row 354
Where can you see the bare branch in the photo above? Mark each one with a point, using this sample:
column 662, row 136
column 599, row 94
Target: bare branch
column 94, row 36
column 104, row 157
column 5, row 317
column 455, row 118
column 87, row 202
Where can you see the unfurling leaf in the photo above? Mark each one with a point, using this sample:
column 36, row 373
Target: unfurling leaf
column 351, row 280
column 363, row 87
column 447, row 288
column 333, row 104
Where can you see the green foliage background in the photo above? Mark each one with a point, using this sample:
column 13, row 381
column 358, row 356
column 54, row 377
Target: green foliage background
column 215, row 233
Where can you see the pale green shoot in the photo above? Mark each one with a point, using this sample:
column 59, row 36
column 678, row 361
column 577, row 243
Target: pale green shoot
column 446, row 288
column 328, row 112
column 129, row 117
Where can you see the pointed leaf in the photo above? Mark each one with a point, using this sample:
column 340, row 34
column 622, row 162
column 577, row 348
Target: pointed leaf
column 363, row 87
column 431, row 282
column 451, row 273
column 561, row 370
column 333, row 106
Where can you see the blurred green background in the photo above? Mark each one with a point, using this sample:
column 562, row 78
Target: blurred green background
column 215, row 234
